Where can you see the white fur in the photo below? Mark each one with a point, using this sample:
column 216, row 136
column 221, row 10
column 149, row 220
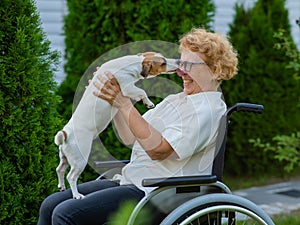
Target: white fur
column 92, row 116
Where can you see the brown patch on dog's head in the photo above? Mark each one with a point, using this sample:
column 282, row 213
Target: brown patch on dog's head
column 150, row 54
column 153, row 65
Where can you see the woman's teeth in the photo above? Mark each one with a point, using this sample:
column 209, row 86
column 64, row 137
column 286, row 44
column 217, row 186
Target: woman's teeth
column 187, row 81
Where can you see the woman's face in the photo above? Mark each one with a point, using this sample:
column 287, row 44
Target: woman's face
column 196, row 77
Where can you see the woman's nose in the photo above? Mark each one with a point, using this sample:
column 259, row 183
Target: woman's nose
column 180, row 72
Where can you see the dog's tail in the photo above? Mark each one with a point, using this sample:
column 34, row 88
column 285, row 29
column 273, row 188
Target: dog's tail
column 60, row 137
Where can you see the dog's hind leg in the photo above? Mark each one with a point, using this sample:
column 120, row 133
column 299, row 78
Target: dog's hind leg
column 72, row 178
column 60, row 170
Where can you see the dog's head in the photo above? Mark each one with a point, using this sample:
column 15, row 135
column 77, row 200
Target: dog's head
column 154, row 64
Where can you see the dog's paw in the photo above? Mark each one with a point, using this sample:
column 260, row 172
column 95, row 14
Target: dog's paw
column 148, row 103
column 78, row 196
column 150, row 106
column 61, row 187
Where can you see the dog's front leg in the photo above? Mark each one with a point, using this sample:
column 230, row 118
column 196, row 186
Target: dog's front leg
column 147, row 102
column 60, row 170
column 137, row 94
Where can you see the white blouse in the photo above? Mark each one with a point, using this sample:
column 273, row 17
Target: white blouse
column 189, row 123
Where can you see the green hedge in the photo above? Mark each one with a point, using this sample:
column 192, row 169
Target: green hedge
column 264, row 79
column 28, row 113
column 93, row 28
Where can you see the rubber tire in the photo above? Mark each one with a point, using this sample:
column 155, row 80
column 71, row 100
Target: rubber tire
column 206, row 202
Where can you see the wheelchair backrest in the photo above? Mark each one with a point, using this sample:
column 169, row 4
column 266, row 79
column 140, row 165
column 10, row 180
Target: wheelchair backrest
column 218, row 163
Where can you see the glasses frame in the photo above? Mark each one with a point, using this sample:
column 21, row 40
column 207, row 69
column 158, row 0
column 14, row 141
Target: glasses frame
column 185, row 64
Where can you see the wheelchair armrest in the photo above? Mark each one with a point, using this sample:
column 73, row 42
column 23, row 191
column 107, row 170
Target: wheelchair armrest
column 176, row 181
column 110, row 164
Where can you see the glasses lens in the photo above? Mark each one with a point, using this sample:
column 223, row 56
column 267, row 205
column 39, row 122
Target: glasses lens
column 184, row 66
column 187, row 66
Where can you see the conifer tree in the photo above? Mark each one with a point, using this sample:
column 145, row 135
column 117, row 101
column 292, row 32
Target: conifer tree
column 93, row 28
column 264, row 79
column 28, row 113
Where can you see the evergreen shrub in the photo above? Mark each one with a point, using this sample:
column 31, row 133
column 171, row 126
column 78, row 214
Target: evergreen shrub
column 28, row 113
column 263, row 79
column 93, row 28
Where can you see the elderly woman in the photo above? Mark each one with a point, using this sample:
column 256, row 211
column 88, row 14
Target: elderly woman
column 175, row 138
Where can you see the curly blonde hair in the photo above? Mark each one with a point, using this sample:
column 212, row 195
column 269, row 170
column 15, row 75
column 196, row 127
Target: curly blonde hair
column 219, row 52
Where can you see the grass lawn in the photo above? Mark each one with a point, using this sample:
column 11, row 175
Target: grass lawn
column 236, row 183
column 291, row 219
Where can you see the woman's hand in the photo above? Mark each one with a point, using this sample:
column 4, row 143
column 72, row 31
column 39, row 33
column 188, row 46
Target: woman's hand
column 109, row 90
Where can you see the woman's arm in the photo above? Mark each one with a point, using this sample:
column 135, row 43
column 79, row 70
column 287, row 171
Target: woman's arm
column 123, row 129
column 149, row 138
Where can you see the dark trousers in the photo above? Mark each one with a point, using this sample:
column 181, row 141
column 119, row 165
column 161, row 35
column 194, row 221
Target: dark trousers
column 102, row 197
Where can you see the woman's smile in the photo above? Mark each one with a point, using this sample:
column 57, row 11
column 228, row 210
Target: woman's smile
column 189, row 85
column 187, row 82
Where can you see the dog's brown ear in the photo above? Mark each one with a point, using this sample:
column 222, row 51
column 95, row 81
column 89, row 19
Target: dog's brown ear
column 146, row 67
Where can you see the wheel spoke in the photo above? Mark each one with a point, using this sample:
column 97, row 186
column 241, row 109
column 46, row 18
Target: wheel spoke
column 218, row 209
column 223, row 217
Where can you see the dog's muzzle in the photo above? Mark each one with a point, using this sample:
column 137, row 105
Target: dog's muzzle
column 172, row 65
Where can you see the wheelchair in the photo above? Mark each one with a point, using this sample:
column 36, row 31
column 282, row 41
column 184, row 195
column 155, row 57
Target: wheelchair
column 198, row 200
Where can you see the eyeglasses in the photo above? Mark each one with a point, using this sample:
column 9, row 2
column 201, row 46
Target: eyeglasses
column 187, row 66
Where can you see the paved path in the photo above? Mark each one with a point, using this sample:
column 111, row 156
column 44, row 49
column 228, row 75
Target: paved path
column 276, row 198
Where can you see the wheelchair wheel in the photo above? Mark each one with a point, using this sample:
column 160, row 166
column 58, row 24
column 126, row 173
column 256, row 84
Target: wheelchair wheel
column 218, row 209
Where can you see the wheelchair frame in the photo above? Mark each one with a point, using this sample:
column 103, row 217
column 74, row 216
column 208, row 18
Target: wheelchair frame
column 214, row 204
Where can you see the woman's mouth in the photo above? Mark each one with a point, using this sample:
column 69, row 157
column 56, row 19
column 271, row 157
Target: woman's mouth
column 187, row 81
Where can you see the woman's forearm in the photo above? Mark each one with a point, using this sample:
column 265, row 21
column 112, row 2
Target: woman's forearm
column 123, row 130
column 149, row 138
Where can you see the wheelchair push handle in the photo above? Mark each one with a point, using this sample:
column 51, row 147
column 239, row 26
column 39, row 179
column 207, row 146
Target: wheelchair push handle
column 246, row 107
column 249, row 107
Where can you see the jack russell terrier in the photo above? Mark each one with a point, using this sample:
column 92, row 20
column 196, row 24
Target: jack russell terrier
column 93, row 114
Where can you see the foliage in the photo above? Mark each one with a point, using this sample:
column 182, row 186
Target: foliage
column 93, row 28
column 122, row 215
column 285, row 44
column 27, row 111
column 263, row 79
column 285, row 148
